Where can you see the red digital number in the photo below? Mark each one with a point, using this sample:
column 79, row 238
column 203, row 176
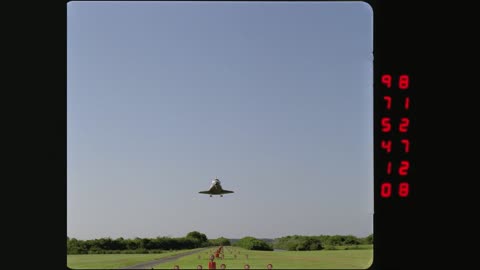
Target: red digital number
column 389, row 101
column 406, row 142
column 389, row 167
column 403, row 127
column 403, row 189
column 386, row 126
column 387, row 80
column 386, row 190
column 407, row 103
column 403, row 169
column 403, row 82
column 387, row 145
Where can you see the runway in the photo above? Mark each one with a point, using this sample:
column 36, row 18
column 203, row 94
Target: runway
column 151, row 264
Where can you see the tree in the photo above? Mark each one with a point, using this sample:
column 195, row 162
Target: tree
column 253, row 244
column 197, row 235
column 298, row 243
column 369, row 239
column 221, row 241
column 350, row 240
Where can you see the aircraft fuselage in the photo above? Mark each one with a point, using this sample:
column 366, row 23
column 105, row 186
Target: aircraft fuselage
column 216, row 189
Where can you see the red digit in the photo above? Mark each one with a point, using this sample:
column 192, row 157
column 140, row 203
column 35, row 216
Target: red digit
column 387, row 80
column 386, row 190
column 403, row 82
column 389, row 101
column 407, row 145
column 407, row 103
column 386, row 126
column 403, row 189
column 403, row 127
column 389, row 167
column 403, row 169
column 387, row 145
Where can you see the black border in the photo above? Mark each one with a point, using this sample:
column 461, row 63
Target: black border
column 397, row 224
column 395, row 53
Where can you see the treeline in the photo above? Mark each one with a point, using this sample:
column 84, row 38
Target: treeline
column 142, row 245
column 253, row 243
column 299, row 242
column 196, row 240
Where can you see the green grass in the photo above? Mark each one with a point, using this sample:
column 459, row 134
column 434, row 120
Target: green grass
column 360, row 258
column 113, row 261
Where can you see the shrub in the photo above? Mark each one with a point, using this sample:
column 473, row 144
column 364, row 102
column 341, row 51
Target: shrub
column 252, row 243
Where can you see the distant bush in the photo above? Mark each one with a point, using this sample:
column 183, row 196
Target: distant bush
column 219, row 241
column 368, row 240
column 297, row 242
column 96, row 250
column 315, row 246
column 198, row 236
column 253, row 243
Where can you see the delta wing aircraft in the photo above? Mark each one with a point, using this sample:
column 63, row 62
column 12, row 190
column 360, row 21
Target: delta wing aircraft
column 216, row 189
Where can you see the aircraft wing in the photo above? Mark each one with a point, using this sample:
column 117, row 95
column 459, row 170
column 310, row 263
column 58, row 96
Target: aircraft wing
column 204, row 192
column 226, row 191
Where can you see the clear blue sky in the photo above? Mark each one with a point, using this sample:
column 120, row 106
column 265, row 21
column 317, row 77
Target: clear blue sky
column 274, row 99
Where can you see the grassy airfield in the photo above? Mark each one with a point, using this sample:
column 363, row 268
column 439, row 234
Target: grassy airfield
column 114, row 261
column 327, row 259
column 235, row 258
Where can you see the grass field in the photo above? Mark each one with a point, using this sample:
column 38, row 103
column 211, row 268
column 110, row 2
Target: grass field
column 360, row 258
column 113, row 261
